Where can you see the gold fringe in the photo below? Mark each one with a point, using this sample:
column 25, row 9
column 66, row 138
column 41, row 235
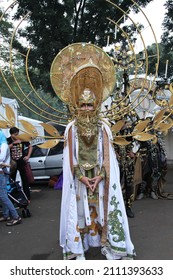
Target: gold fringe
column 70, row 142
column 106, row 187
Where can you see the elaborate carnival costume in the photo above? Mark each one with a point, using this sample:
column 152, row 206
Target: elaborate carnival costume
column 154, row 169
column 89, row 218
column 126, row 159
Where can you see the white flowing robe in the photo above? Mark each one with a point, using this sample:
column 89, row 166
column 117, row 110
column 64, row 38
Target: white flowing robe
column 118, row 236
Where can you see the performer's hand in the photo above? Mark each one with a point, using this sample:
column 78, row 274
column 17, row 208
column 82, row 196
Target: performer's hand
column 87, row 182
column 95, row 181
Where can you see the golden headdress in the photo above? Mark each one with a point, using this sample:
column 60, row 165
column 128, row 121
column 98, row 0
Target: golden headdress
column 82, row 66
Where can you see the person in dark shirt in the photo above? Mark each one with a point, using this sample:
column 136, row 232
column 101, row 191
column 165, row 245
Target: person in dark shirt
column 17, row 148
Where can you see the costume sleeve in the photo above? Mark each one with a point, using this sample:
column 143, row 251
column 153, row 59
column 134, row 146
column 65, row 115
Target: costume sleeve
column 102, row 172
column 78, row 172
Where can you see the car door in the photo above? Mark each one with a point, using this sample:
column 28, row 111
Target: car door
column 37, row 161
column 54, row 160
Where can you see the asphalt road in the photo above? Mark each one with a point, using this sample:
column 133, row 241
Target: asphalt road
column 36, row 238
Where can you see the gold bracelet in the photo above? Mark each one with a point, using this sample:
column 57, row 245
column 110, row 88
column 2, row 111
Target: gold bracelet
column 81, row 176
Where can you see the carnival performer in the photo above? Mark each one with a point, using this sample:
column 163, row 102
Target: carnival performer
column 93, row 213
column 126, row 159
column 154, row 169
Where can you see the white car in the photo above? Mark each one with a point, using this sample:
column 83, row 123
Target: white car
column 46, row 163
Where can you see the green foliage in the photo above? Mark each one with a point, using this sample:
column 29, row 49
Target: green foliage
column 55, row 24
column 14, row 83
column 5, row 26
column 22, row 92
column 164, row 55
column 167, row 37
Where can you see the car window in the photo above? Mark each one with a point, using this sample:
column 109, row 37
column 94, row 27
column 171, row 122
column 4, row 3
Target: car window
column 58, row 149
column 38, row 152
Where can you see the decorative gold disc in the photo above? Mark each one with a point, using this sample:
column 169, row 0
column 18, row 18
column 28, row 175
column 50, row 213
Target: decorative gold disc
column 76, row 57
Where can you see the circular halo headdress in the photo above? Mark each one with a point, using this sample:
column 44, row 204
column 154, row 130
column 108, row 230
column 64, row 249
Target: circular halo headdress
column 80, row 66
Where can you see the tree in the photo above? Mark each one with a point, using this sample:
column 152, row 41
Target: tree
column 55, row 24
column 6, row 28
column 167, row 37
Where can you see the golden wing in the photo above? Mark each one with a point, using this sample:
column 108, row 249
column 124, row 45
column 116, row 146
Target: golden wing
column 49, row 144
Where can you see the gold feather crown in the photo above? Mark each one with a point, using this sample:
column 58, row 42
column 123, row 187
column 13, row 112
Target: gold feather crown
column 80, row 66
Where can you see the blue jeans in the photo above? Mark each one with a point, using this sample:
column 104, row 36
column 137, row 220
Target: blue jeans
column 8, row 208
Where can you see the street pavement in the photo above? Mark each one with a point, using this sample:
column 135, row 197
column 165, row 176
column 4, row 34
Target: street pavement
column 36, row 238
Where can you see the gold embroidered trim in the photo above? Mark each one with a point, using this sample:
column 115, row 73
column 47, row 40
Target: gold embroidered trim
column 107, row 168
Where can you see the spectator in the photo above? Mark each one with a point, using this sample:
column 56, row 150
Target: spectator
column 17, row 154
column 8, row 208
